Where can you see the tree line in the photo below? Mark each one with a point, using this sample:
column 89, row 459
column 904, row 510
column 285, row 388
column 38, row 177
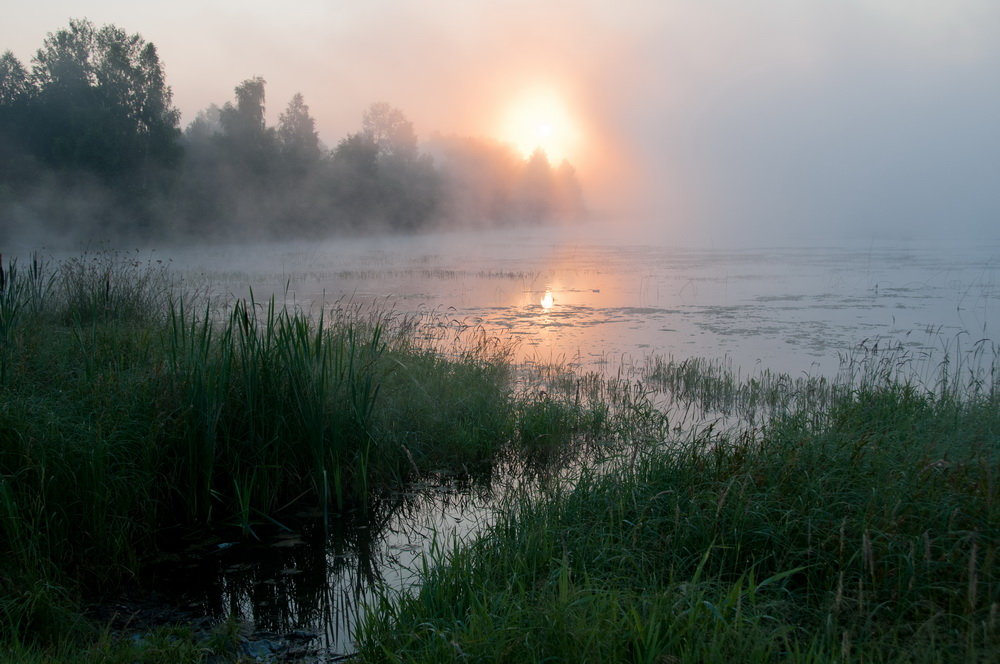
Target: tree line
column 91, row 147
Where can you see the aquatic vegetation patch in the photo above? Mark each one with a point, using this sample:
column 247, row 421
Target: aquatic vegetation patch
column 866, row 533
column 131, row 413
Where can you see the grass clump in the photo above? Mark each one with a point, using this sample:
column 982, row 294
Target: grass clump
column 131, row 415
column 866, row 532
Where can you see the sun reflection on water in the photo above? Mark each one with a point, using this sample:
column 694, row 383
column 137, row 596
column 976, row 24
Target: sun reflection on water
column 547, row 300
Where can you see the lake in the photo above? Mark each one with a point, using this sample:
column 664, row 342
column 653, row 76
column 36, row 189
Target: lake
column 593, row 299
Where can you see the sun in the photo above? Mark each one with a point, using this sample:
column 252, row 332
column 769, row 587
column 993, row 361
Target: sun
column 540, row 119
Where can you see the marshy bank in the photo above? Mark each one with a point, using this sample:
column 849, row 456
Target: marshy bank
column 850, row 521
column 868, row 532
column 132, row 416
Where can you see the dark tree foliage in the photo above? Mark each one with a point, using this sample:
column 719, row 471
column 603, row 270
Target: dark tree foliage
column 406, row 183
column 101, row 104
column 248, row 143
column 92, row 125
column 297, row 137
column 355, row 178
column 14, row 84
column 90, row 145
column 17, row 165
column 233, row 176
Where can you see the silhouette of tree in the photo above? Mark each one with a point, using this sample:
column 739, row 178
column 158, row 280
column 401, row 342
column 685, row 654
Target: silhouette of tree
column 407, row 183
column 409, row 191
column 247, row 117
column 355, row 176
column 92, row 122
column 388, row 128
column 250, row 145
column 534, row 191
column 566, row 193
column 65, row 59
column 478, row 179
column 102, row 104
column 206, row 124
column 17, row 165
column 14, row 84
column 297, row 135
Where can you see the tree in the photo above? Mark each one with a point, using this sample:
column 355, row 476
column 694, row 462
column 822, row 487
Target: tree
column 158, row 119
column 17, row 166
column 356, row 173
column 65, row 59
column 567, row 193
column 102, row 104
column 297, row 134
column 388, row 128
column 14, row 84
column 248, row 142
column 479, row 178
column 409, row 192
column 535, row 188
column 247, row 117
column 206, row 123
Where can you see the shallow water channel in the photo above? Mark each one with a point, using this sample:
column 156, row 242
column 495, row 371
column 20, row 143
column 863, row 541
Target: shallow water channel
column 307, row 586
column 578, row 299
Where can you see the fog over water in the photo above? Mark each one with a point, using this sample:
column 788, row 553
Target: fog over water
column 596, row 300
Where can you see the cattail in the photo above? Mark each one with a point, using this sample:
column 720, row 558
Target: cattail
column 913, row 562
column 868, row 553
column 722, row 500
column 843, row 529
column 973, row 575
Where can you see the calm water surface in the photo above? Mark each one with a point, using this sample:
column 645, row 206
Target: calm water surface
column 587, row 298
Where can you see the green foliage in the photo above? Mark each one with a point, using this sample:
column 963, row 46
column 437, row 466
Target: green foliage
column 14, row 84
column 872, row 536
column 859, row 524
column 127, row 412
column 101, row 103
column 298, row 137
column 89, row 137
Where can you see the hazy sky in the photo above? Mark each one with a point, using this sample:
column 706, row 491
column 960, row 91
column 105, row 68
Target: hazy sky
column 709, row 119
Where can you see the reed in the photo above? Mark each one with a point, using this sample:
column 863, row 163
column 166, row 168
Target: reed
column 846, row 519
column 865, row 531
column 132, row 413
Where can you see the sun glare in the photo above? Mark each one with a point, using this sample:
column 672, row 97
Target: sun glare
column 541, row 119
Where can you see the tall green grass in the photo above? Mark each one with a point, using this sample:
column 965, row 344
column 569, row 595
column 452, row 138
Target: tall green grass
column 132, row 413
column 697, row 389
column 851, row 520
column 865, row 531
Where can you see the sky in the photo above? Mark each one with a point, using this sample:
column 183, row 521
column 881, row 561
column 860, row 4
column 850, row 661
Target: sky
column 718, row 121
